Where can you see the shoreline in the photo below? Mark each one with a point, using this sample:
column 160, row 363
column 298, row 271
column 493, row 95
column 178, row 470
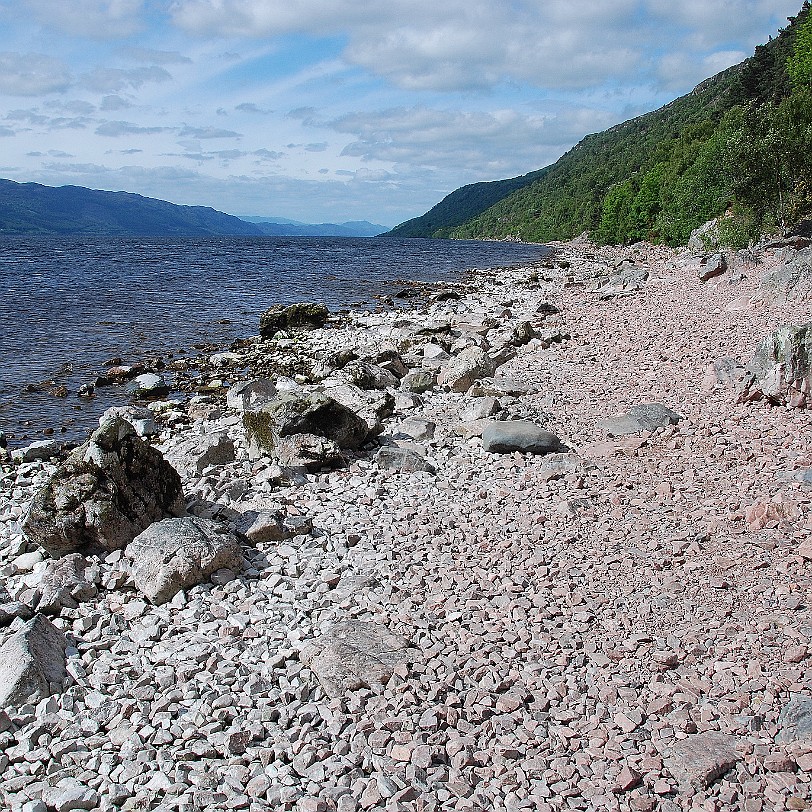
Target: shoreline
column 577, row 620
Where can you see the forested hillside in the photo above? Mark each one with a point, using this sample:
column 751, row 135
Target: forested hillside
column 739, row 145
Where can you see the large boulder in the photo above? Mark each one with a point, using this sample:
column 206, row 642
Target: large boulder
column 505, row 436
column 303, row 413
column 246, row 395
column 372, row 406
column 470, row 365
column 31, row 660
column 175, row 554
column 780, row 369
column 365, row 375
column 301, row 316
column 640, row 417
column 308, row 451
column 790, row 282
column 104, row 494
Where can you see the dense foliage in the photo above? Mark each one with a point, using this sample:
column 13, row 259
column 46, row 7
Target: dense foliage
column 738, row 147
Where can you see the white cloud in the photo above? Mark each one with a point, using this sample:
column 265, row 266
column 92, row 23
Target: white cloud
column 116, row 129
column 96, row 19
column 32, row 74
column 680, row 69
column 109, row 80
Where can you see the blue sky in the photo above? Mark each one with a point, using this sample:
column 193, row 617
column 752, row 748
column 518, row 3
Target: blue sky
column 333, row 110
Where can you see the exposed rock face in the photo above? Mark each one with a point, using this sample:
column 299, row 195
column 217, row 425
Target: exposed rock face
column 302, row 316
column 104, row 494
column 780, row 369
column 175, row 554
column 711, row 267
column 303, row 413
column 470, row 365
column 505, row 436
column 30, row 661
column 791, row 282
column 355, row 655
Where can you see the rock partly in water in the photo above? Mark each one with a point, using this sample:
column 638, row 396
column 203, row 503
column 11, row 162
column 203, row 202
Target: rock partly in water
column 356, row 654
column 301, row 316
column 32, row 663
column 104, row 494
column 148, row 386
column 525, row 436
column 303, row 413
column 175, row 554
column 780, row 370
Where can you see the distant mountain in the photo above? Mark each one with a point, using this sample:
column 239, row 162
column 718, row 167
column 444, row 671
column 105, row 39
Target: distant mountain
column 35, row 210
column 30, row 209
column 282, row 227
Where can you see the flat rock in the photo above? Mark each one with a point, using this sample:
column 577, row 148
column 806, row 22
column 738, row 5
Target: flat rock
column 196, row 453
column 175, row 554
column 356, row 654
column 105, row 493
column 499, row 387
column 30, row 661
column 641, row 417
column 696, row 762
column 505, row 436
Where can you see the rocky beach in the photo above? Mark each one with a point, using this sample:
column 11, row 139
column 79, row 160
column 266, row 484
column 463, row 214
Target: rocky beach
column 541, row 541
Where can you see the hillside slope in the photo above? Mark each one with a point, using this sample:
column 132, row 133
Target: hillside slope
column 461, row 205
column 739, row 144
column 33, row 209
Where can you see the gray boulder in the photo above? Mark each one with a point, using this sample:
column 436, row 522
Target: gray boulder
column 301, row 316
column 780, row 369
column 641, row 417
column 105, row 493
column 142, row 420
column 505, row 436
column 790, row 282
column 415, row 428
column 31, row 661
column 355, row 654
column 418, row 381
column 402, row 460
column 303, row 413
column 369, row 376
column 464, row 369
column 308, row 451
column 66, row 582
column 251, row 394
column 194, row 454
column 175, row 554
column 724, row 373
column 795, row 720
column 625, row 280
column 705, row 238
column 698, row 760
column 38, row 450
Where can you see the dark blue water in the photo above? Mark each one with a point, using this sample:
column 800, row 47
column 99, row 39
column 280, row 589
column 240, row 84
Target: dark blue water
column 72, row 303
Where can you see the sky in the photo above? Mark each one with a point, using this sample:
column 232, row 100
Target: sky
column 336, row 110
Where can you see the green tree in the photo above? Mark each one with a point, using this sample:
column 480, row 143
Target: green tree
column 799, row 64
